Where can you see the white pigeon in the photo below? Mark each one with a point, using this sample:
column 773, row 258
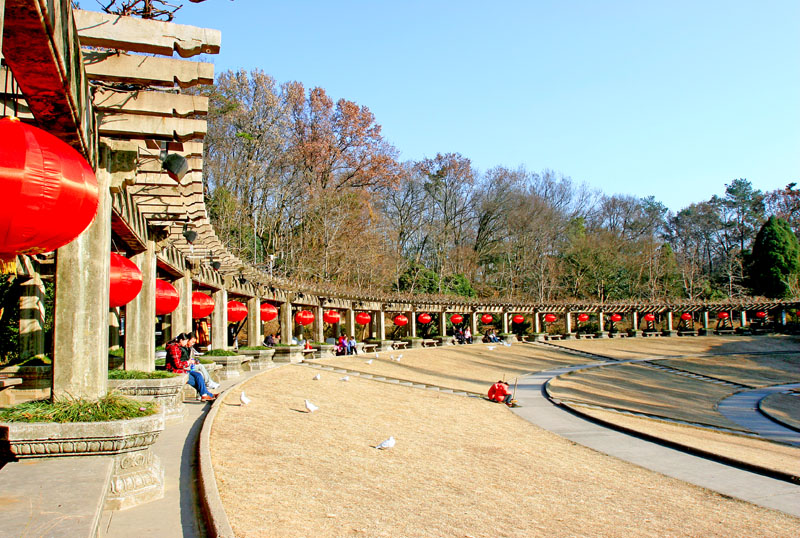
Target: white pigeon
column 506, row 344
column 345, row 378
column 391, row 357
column 490, row 348
column 317, row 377
column 369, row 361
column 244, row 399
column 376, row 354
column 400, row 356
column 389, row 443
column 310, row 407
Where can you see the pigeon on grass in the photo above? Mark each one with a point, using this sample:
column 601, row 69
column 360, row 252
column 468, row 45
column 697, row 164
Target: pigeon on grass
column 317, row 377
column 244, row 399
column 345, row 378
column 490, row 348
column 310, row 407
column 389, row 443
column 369, row 361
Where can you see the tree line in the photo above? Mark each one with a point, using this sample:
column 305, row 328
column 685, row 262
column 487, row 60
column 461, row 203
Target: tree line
column 309, row 188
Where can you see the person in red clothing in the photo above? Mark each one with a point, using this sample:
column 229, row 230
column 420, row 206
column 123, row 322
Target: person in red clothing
column 175, row 363
column 499, row 393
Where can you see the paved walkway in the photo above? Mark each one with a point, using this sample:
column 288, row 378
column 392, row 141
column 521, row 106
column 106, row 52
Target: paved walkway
column 751, row 487
column 742, row 408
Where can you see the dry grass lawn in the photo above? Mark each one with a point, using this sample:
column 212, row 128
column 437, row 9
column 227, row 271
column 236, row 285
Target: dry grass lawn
column 784, row 407
column 462, row 468
column 751, row 370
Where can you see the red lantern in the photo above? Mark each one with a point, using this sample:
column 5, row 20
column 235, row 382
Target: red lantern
column 331, row 316
column 615, row 318
column 424, row 318
column 126, row 281
column 583, row 317
column 649, row 317
column 268, row 312
column 761, row 314
column 202, row 305
column 400, row 320
column 518, row 319
column 236, row 311
column 723, row 315
column 167, row 297
column 686, row 316
column 455, row 319
column 486, row 319
column 362, row 318
column 304, row 317
column 48, row 192
column 550, row 318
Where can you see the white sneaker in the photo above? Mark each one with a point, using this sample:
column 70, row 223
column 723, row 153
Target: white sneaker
column 213, row 385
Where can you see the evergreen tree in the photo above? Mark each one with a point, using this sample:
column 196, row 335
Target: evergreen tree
column 775, row 261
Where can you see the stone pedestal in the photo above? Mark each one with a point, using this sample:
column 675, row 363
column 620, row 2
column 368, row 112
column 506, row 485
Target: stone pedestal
column 570, row 336
column 413, row 342
column 324, row 351
column 508, row 338
column 444, row 340
column 635, row 333
column 539, row 337
column 292, row 354
column 166, row 392
column 602, row 334
column 261, row 358
column 230, row 366
column 385, row 345
column 670, row 333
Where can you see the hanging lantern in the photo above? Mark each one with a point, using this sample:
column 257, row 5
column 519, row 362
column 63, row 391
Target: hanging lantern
column 125, row 282
column 236, row 311
column 686, row 316
column 550, row 318
column 331, row 316
column 400, row 320
column 615, row 318
column 583, row 317
column 518, row 319
column 649, row 317
column 362, row 318
column 486, row 319
column 723, row 315
column 48, row 192
column 202, row 305
column 167, row 297
column 455, row 319
column 761, row 314
column 304, row 317
column 424, row 318
column 268, row 312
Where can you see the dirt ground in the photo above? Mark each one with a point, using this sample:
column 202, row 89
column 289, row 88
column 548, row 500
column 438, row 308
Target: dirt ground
column 462, row 467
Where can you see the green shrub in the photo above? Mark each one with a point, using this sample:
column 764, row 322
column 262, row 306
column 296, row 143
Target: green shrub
column 220, row 353
column 161, row 362
column 201, row 360
column 252, row 348
column 111, row 407
column 119, row 352
column 138, row 374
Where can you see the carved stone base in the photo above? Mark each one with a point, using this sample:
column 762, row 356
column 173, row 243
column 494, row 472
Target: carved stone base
column 288, row 354
column 231, row 366
column 137, row 478
column 166, row 392
column 386, row 345
column 261, row 358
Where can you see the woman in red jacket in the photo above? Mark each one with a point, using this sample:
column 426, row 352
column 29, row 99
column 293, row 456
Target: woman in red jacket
column 499, row 393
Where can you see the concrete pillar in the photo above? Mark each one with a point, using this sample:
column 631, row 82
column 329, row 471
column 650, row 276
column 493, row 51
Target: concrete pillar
column 744, row 319
column 181, row 317
column 286, row 323
column 601, row 321
column 140, row 316
column 705, row 319
column 351, row 322
column 537, row 328
column 319, row 325
column 669, row 321
column 31, row 305
column 473, row 324
column 2, row 13
column 114, row 340
column 568, row 321
column 219, row 320
column 635, row 317
column 80, row 362
column 380, row 320
column 254, row 335
column 783, row 317
column 505, row 322
column 442, row 323
column 412, row 324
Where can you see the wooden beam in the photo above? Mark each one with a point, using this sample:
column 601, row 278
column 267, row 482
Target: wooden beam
column 135, row 126
column 110, row 66
column 97, row 29
column 151, row 103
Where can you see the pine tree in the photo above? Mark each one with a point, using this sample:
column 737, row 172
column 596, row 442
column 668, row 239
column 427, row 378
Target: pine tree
column 775, row 260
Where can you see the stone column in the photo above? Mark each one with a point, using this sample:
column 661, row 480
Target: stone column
column 412, row 324
column 219, row 320
column 601, row 319
column 380, row 320
column 114, row 340
column 783, row 317
column 319, row 325
column 537, row 328
column 443, row 324
column 351, row 322
column 80, row 362
column 743, row 319
column 140, row 316
column 669, row 331
column 2, row 13
column 635, row 317
column 31, row 304
column 254, row 336
column 705, row 329
column 181, row 321
column 286, row 323
column 473, row 325
column 568, row 322
column 505, row 322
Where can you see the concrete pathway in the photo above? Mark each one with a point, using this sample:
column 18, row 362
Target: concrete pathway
column 742, row 408
column 539, row 410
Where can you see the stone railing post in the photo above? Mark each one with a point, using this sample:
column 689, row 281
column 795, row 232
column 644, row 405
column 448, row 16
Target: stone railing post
column 140, row 315
column 219, row 320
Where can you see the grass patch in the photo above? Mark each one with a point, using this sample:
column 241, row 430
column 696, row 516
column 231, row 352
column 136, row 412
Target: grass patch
column 119, row 352
column 220, row 353
column 111, row 407
column 138, row 374
column 252, row 348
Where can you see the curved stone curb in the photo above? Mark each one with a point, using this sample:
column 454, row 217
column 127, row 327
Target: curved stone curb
column 743, row 409
column 217, row 523
column 768, row 414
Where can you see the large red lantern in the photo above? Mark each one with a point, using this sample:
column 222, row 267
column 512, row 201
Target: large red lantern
column 518, row 319
column 761, row 314
column 268, row 312
column 549, row 318
column 331, row 316
column 125, row 282
column 424, row 318
column 236, row 311
column 167, row 297
column 486, row 319
column 362, row 318
column 615, row 318
column 202, row 305
column 649, row 317
column 400, row 320
column 48, row 192
column 455, row 319
column 304, row 317
column 583, row 317
column 723, row 315
column 686, row 316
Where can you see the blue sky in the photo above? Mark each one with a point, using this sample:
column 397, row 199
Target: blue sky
column 671, row 99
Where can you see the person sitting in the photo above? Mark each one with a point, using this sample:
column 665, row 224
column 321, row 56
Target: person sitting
column 499, row 393
column 487, row 337
column 459, row 336
column 270, row 341
column 175, row 363
column 468, row 336
column 492, row 336
column 190, row 356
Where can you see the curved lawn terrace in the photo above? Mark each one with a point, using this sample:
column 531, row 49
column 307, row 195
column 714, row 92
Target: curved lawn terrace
column 461, row 466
